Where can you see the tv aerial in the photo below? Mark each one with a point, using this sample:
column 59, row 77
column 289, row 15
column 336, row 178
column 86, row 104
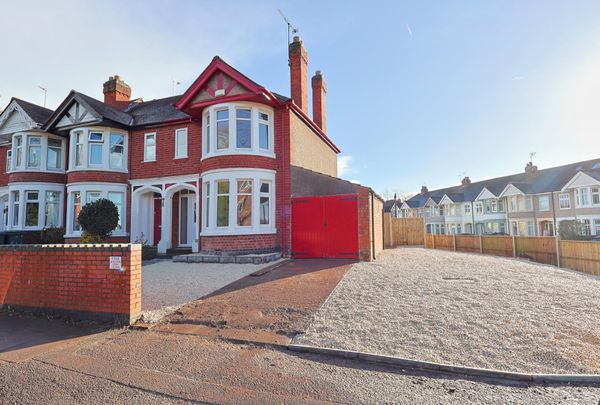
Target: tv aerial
column 291, row 30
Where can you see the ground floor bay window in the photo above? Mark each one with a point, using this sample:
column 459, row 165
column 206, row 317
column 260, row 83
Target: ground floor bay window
column 78, row 195
column 238, row 202
column 34, row 206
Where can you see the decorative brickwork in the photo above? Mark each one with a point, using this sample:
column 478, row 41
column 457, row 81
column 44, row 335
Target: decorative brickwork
column 36, row 177
column 72, row 279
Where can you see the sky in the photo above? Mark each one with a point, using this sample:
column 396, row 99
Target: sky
column 419, row 92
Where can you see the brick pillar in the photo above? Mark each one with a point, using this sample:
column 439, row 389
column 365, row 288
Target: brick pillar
column 299, row 74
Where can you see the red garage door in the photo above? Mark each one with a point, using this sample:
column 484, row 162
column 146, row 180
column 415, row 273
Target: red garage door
column 325, row 226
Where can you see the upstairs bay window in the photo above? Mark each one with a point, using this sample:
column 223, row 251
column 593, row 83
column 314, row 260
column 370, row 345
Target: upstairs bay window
column 587, row 197
column 98, row 149
column 36, row 152
column 238, row 128
column 242, row 202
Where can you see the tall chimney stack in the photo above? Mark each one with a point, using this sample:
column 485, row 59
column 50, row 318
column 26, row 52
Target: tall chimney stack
column 319, row 91
column 299, row 74
column 117, row 93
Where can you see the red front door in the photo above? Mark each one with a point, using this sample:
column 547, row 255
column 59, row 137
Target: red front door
column 157, row 220
column 325, row 226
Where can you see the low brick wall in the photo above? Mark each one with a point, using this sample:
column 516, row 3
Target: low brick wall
column 73, row 280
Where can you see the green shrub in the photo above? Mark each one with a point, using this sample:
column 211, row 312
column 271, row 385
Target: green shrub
column 573, row 230
column 52, row 235
column 148, row 252
column 98, row 219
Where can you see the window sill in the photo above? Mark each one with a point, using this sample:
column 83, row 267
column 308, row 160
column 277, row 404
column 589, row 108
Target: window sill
column 148, row 161
column 230, row 152
column 34, row 170
column 96, row 169
column 180, row 157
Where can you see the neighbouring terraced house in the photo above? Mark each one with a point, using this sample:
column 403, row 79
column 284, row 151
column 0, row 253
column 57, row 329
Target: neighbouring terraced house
column 531, row 203
column 214, row 169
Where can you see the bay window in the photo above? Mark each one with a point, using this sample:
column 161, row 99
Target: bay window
column 242, row 202
column 98, row 148
column 36, row 152
column 81, row 194
column 35, row 206
column 238, row 128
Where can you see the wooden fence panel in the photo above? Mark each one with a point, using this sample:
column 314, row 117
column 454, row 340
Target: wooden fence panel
column 581, row 256
column 403, row 231
column 497, row 245
column 541, row 249
column 467, row 243
column 444, row 242
column 429, row 241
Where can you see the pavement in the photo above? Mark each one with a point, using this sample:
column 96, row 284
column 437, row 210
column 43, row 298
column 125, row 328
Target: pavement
column 159, row 366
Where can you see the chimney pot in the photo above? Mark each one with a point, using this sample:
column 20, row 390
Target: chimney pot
column 424, row 190
column 297, row 38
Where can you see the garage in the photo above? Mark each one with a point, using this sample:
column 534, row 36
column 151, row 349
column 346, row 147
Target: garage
column 325, row 226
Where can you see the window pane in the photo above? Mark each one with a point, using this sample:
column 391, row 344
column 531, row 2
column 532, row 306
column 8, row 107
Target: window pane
column 92, row 196
column 76, row 210
column 222, row 134
column 263, row 116
column 244, row 134
column 243, row 113
column 264, row 210
column 222, row 115
column 95, row 154
column 223, row 210
column 95, row 136
column 244, row 210
column 15, row 195
column 263, row 134
column 244, row 186
column 51, row 211
column 264, row 187
column 181, row 146
column 117, row 199
column 117, row 147
column 222, row 187
column 31, row 213
column 34, row 151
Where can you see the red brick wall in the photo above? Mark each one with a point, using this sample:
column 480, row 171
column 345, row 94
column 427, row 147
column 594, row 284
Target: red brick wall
column 88, row 176
column 241, row 161
column 165, row 164
column 240, row 242
column 3, row 175
column 73, row 280
column 37, row 177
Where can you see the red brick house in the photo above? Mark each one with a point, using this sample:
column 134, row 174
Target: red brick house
column 210, row 170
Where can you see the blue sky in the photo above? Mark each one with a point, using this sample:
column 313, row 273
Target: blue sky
column 418, row 92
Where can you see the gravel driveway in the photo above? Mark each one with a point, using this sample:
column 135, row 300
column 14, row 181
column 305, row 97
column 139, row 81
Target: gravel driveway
column 167, row 285
column 465, row 309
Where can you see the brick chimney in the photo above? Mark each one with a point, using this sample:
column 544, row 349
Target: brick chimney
column 465, row 181
column 319, row 91
column 424, row 190
column 117, row 93
column 530, row 168
column 299, row 74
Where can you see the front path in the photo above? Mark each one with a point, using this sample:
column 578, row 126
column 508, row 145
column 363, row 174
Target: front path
column 465, row 309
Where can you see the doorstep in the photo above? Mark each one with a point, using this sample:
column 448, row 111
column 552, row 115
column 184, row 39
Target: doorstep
column 259, row 258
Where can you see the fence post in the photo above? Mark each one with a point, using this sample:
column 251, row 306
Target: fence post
column 514, row 247
column 480, row 245
column 433, row 241
column 557, row 251
column 454, row 242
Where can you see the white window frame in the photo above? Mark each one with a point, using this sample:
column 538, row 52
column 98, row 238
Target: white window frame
column 210, row 149
column 86, row 149
column 103, row 189
column 146, row 136
column 22, row 150
column 110, row 143
column 179, row 133
column 545, row 198
column 8, row 160
column 257, row 176
column 561, row 200
column 41, row 188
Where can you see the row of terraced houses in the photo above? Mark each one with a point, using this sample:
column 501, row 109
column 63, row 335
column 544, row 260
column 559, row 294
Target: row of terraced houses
column 214, row 169
column 531, row 203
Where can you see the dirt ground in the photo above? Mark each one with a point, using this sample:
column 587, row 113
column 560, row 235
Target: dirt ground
column 465, row 309
column 280, row 302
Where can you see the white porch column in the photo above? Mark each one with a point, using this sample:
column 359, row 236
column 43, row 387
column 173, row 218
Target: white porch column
column 165, row 232
column 196, row 240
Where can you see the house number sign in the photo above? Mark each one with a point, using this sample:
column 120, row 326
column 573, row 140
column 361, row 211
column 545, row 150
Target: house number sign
column 115, row 263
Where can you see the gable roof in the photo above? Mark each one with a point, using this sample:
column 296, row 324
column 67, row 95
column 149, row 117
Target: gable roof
column 540, row 181
column 37, row 113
